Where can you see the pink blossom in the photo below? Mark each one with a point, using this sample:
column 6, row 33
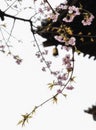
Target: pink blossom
column 65, row 2
column 59, row 91
column 62, row 6
column 59, row 38
column 70, row 87
column 71, row 41
column 48, row 8
column 55, row 73
column 18, row 61
column 38, row 55
column 69, row 67
column 74, row 10
column 48, row 64
column 60, row 83
column 54, row 17
column 41, row 11
column 66, row 59
column 91, row 17
column 88, row 21
column 46, row 52
column 63, row 77
column 43, row 69
column 68, row 19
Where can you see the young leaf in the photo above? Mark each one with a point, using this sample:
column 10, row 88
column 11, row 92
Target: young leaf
column 20, row 122
column 51, row 85
column 65, row 95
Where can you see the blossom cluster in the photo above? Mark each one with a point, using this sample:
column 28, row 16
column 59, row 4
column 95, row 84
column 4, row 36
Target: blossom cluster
column 87, row 19
column 72, row 13
column 71, row 41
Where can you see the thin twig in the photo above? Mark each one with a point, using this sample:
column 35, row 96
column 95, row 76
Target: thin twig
column 9, row 34
column 46, row 101
column 10, row 6
column 50, row 6
column 38, row 46
column 4, row 40
column 11, row 31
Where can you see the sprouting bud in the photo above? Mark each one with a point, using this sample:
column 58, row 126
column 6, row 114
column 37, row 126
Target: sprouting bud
column 55, row 51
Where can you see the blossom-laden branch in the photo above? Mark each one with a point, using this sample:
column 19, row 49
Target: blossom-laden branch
column 64, row 35
column 68, row 77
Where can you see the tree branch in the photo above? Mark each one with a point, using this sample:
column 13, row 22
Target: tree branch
column 3, row 14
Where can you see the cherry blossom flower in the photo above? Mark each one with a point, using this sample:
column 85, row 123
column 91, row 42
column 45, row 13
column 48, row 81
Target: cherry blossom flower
column 48, row 63
column 70, row 87
column 66, row 59
column 55, row 73
column 38, row 55
column 63, row 77
column 54, row 17
column 62, row 6
column 59, row 91
column 59, row 38
column 41, row 11
column 18, row 61
column 91, row 17
column 48, row 8
column 43, row 69
column 60, row 83
column 71, row 41
column 68, row 18
column 88, row 20
column 69, row 67
column 65, row 2
column 45, row 52
column 74, row 10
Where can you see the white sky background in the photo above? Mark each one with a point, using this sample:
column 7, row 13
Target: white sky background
column 24, row 86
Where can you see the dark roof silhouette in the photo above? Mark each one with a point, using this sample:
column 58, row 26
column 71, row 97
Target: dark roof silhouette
column 92, row 111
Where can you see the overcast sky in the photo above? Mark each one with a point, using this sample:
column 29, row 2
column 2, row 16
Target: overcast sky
column 24, row 86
